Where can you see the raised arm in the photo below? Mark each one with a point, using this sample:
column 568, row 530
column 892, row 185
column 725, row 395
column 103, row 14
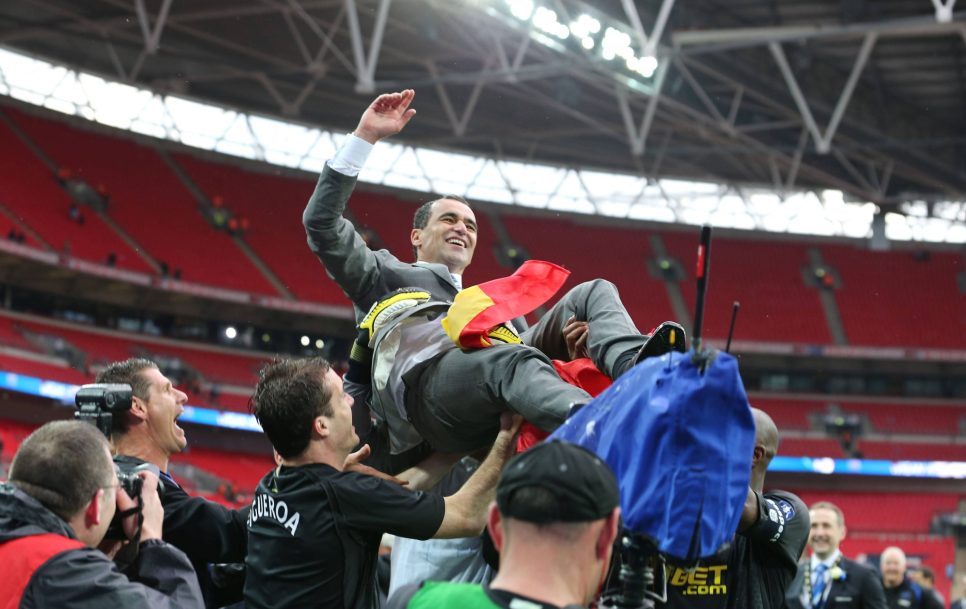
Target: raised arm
column 347, row 258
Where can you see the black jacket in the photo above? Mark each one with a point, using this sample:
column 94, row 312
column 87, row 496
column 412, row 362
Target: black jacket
column 910, row 595
column 207, row 532
column 85, row 578
column 860, row 588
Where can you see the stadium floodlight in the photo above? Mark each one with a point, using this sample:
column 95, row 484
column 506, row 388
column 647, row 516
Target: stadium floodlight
column 305, row 341
column 521, row 9
column 231, row 332
column 319, row 343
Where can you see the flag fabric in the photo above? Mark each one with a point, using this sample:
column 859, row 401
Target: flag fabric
column 479, row 309
column 580, row 372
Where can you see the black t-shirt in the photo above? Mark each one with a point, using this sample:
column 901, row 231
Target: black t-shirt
column 204, row 530
column 314, row 532
column 754, row 571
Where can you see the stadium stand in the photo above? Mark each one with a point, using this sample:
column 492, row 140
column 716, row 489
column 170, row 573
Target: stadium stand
column 899, row 297
column 886, row 512
column 272, row 204
column 33, row 195
column 149, row 202
column 775, row 302
column 235, row 369
column 579, row 248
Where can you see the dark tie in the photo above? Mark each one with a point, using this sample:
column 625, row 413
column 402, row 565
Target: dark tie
column 818, row 585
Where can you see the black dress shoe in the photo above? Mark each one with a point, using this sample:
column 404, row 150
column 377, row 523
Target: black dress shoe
column 659, row 342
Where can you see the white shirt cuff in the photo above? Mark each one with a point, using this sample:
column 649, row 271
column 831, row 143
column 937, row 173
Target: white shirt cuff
column 351, row 157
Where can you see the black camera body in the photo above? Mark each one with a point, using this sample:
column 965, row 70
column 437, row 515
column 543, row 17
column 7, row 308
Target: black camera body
column 98, row 404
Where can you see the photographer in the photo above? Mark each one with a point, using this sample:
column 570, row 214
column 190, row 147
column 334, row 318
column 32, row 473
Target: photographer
column 149, row 433
column 55, row 511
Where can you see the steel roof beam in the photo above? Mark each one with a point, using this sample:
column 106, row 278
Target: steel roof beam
column 713, row 41
column 366, row 64
column 823, row 142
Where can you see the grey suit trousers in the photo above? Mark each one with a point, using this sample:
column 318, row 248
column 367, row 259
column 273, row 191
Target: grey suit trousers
column 455, row 400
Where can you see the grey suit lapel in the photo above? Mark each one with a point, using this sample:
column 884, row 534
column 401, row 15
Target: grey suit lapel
column 440, row 271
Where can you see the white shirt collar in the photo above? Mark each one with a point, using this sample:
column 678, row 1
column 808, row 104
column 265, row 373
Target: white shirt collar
column 828, row 562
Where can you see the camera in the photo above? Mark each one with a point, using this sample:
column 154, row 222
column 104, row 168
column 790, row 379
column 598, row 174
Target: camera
column 132, row 485
column 98, row 403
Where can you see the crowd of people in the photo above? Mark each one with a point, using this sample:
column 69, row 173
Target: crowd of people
column 419, row 440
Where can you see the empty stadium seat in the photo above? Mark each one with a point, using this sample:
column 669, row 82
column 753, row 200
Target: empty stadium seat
column 150, row 203
column 899, row 298
column 34, row 196
column 593, row 251
column 765, row 276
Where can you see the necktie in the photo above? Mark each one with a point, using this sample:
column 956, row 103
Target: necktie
column 818, row 585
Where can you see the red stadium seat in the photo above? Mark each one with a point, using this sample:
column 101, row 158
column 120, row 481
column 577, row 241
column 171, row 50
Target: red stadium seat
column 150, row 203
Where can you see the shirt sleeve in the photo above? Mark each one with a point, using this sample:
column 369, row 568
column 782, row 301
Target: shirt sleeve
column 204, row 530
column 351, row 157
column 374, row 504
column 401, row 597
column 782, row 526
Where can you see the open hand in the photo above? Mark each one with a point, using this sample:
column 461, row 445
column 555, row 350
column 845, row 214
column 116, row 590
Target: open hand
column 385, row 116
column 353, row 463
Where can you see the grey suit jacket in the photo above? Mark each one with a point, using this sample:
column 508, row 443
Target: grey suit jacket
column 861, row 588
column 364, row 275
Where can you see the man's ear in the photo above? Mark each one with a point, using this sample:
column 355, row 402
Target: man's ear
column 416, row 237
column 757, row 455
column 92, row 513
column 139, row 408
column 608, row 533
column 494, row 523
column 321, row 426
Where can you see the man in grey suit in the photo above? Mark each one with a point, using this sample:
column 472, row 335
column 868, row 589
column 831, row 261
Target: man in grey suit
column 423, row 385
column 829, row 580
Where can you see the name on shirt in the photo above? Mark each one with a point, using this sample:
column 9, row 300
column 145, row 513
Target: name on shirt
column 265, row 506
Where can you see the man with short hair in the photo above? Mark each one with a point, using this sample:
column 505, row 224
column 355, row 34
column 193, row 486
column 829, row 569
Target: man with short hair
column 427, row 376
column 828, row 579
column 54, row 512
column 901, row 591
column 554, row 523
column 314, row 529
column 207, row 532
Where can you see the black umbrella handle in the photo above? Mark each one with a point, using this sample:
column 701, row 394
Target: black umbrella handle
column 703, row 266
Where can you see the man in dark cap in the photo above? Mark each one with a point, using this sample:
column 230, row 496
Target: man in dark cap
column 554, row 523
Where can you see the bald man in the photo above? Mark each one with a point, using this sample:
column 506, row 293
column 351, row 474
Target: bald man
column 755, row 570
column 900, row 590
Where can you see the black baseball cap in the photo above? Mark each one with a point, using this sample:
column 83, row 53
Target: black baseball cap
column 583, row 486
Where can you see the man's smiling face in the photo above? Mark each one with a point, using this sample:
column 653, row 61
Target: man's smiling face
column 449, row 236
column 826, row 533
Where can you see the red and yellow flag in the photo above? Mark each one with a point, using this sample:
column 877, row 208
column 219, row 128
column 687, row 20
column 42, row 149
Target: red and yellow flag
column 479, row 309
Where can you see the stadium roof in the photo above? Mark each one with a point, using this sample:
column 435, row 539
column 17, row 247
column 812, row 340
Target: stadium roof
column 867, row 98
